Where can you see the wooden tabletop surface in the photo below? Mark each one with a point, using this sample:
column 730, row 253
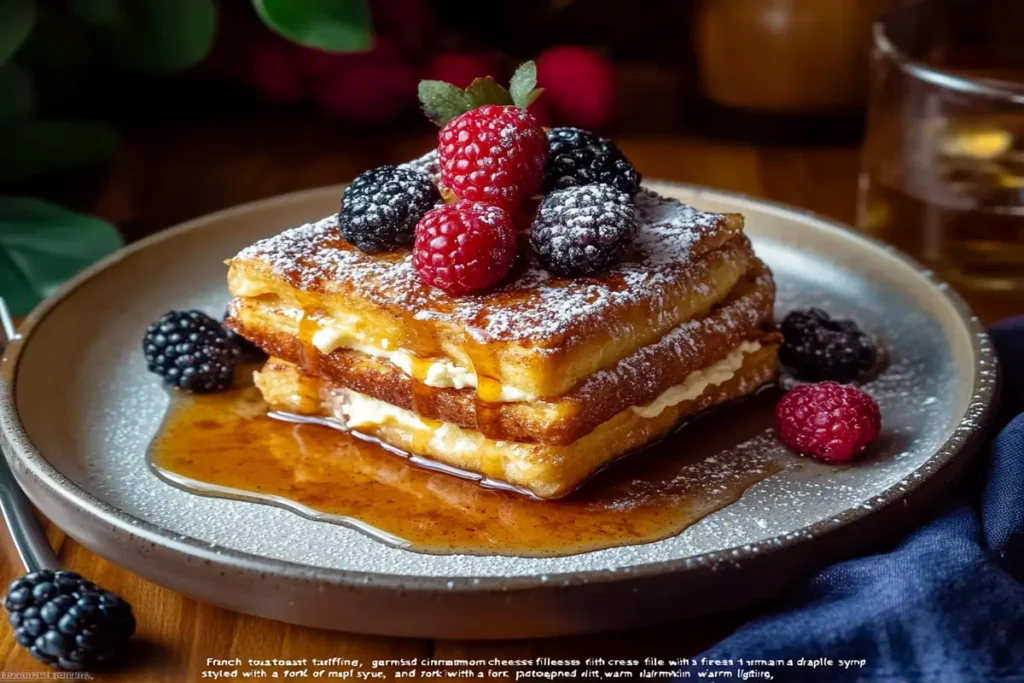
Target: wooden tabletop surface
column 167, row 176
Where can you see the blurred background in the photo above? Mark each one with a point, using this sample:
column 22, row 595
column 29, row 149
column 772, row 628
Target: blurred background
column 122, row 117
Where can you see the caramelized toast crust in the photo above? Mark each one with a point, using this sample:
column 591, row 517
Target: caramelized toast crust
column 745, row 314
column 537, row 333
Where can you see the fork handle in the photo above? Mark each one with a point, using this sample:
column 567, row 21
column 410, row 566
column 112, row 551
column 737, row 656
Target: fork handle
column 26, row 531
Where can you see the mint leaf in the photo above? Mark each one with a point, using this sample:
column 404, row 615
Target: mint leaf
column 522, row 85
column 16, row 20
column 335, row 25
column 534, row 94
column 442, row 101
column 487, row 91
column 42, row 245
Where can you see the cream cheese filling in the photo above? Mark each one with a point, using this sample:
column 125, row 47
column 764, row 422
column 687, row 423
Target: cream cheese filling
column 334, row 333
column 358, row 410
column 697, row 382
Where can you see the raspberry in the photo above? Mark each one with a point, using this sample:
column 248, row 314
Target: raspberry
column 578, row 157
column 494, row 154
column 382, row 206
column 830, row 421
column 818, row 348
column 583, row 229
column 464, row 247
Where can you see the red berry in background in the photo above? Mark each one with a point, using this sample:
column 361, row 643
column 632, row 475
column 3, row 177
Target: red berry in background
column 579, row 86
column 493, row 154
column 464, row 247
column 540, row 111
column 460, row 68
column 367, row 92
column 316, row 63
column 272, row 71
column 829, row 421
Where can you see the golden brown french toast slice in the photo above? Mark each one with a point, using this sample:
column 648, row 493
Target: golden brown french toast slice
column 537, row 335
column 746, row 314
column 547, row 471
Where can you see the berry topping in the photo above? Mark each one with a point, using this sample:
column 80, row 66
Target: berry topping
column 579, row 157
column 818, row 348
column 190, row 350
column 491, row 149
column 493, row 154
column 464, row 247
column 382, row 206
column 66, row 621
column 247, row 351
column 829, row 421
column 583, row 229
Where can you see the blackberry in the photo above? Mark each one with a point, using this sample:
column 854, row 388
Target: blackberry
column 382, row 206
column 247, row 351
column 190, row 350
column 817, row 348
column 583, row 229
column 579, row 157
column 66, row 621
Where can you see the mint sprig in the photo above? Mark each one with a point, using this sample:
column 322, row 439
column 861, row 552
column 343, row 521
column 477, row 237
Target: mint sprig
column 443, row 101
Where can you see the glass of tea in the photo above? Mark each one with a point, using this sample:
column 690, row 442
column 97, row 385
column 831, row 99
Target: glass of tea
column 943, row 169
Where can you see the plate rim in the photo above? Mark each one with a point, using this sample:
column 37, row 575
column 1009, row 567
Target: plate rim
column 20, row 451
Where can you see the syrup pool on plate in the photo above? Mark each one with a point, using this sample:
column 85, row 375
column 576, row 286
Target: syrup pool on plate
column 226, row 445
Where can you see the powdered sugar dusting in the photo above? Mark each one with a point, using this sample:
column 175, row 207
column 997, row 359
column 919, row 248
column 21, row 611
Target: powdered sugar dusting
column 428, row 164
column 533, row 307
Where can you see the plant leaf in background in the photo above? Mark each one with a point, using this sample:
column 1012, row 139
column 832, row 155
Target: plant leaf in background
column 160, row 36
column 17, row 98
column 335, row 25
column 41, row 146
column 16, row 20
column 42, row 245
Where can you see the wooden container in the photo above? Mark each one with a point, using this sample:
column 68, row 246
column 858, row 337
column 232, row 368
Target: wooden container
column 784, row 56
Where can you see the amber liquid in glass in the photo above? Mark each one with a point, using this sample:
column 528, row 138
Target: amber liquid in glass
column 226, row 445
column 952, row 194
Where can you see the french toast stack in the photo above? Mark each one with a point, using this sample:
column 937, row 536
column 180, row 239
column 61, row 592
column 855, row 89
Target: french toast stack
column 536, row 383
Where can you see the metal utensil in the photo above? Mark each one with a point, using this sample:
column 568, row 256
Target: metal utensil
column 26, row 531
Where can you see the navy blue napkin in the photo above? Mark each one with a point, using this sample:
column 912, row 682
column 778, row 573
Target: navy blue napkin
column 945, row 604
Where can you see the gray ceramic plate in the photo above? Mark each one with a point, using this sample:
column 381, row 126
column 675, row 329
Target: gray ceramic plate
column 77, row 409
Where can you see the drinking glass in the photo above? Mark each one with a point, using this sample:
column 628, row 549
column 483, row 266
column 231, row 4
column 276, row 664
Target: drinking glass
column 943, row 168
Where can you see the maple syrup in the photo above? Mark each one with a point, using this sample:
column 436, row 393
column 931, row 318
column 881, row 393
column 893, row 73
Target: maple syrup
column 227, row 445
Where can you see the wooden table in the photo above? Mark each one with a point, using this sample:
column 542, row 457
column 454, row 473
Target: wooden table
column 165, row 176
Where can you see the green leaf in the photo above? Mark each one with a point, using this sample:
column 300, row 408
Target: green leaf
column 487, row 91
column 160, row 36
column 53, row 145
column 335, row 25
column 16, row 20
column 522, row 85
column 42, row 245
column 532, row 97
column 442, row 101
column 17, row 98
